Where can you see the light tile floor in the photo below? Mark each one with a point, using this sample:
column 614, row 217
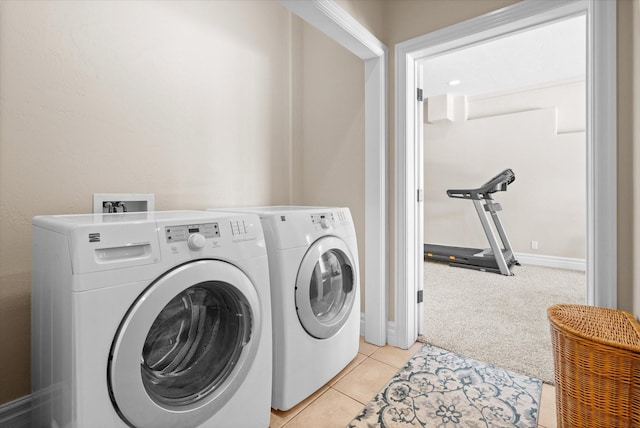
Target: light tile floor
column 342, row 398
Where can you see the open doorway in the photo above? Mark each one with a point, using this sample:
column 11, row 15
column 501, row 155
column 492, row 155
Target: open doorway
column 518, row 103
column 601, row 138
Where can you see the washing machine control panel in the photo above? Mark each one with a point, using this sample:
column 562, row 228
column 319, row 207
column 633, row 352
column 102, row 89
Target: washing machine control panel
column 325, row 220
column 194, row 234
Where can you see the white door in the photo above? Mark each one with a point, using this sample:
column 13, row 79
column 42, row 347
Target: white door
column 325, row 287
column 185, row 346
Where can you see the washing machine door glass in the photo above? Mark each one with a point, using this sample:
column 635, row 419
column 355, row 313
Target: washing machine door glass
column 185, row 346
column 325, row 287
column 194, row 343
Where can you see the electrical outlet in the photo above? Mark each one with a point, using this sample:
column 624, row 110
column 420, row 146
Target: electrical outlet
column 534, row 245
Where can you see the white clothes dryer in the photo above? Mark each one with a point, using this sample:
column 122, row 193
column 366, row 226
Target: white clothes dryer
column 313, row 263
column 158, row 319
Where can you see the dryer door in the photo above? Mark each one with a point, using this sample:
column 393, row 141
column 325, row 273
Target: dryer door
column 185, row 346
column 326, row 287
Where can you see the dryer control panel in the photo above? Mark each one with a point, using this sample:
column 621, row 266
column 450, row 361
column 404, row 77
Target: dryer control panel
column 182, row 233
column 325, row 220
column 337, row 220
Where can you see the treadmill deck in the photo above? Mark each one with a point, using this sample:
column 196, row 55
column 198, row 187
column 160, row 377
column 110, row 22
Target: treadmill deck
column 466, row 257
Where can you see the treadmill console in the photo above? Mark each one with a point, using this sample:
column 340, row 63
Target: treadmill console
column 500, row 182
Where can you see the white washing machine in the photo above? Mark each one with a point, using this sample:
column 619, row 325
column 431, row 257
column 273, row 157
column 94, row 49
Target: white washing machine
column 157, row 319
column 313, row 263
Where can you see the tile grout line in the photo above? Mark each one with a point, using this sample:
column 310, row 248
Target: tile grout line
column 334, row 382
column 348, row 396
column 355, row 399
column 330, row 385
column 305, row 407
column 337, row 379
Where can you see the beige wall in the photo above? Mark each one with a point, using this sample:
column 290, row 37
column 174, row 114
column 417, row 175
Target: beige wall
column 331, row 149
column 189, row 101
column 178, row 87
column 369, row 13
column 331, row 146
column 635, row 129
column 537, row 132
column 203, row 104
column 629, row 155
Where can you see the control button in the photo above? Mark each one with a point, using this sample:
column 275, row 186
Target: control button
column 238, row 227
column 324, row 222
column 196, row 241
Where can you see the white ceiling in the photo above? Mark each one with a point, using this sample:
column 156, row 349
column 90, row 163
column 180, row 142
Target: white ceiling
column 554, row 52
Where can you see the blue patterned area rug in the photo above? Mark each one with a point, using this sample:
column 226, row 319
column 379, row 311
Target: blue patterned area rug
column 438, row 388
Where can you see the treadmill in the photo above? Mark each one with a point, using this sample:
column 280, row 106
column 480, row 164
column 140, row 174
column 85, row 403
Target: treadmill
column 494, row 259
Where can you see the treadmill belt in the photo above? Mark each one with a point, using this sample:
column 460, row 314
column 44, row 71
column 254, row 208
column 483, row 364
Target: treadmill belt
column 464, row 256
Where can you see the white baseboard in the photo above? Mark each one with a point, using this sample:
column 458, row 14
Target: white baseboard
column 16, row 413
column 391, row 333
column 391, row 330
column 552, row 261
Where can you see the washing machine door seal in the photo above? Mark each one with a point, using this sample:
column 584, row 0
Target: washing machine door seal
column 326, row 287
column 185, row 346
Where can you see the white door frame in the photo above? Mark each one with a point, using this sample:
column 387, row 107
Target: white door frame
column 332, row 20
column 601, row 142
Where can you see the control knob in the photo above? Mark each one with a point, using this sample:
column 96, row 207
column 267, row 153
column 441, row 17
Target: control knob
column 196, row 241
column 325, row 223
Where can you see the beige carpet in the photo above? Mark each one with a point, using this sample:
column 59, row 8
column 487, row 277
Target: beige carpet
column 498, row 319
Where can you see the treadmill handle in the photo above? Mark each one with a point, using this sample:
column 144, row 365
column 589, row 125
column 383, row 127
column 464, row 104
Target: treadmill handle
column 498, row 183
column 465, row 193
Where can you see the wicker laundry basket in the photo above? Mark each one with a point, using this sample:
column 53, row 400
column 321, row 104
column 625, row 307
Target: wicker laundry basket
column 596, row 353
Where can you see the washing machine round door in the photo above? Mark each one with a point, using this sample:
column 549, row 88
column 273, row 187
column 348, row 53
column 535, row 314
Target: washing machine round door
column 185, row 346
column 326, row 287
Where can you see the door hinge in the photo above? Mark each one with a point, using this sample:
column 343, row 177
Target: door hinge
column 420, row 296
column 420, row 94
column 420, row 195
